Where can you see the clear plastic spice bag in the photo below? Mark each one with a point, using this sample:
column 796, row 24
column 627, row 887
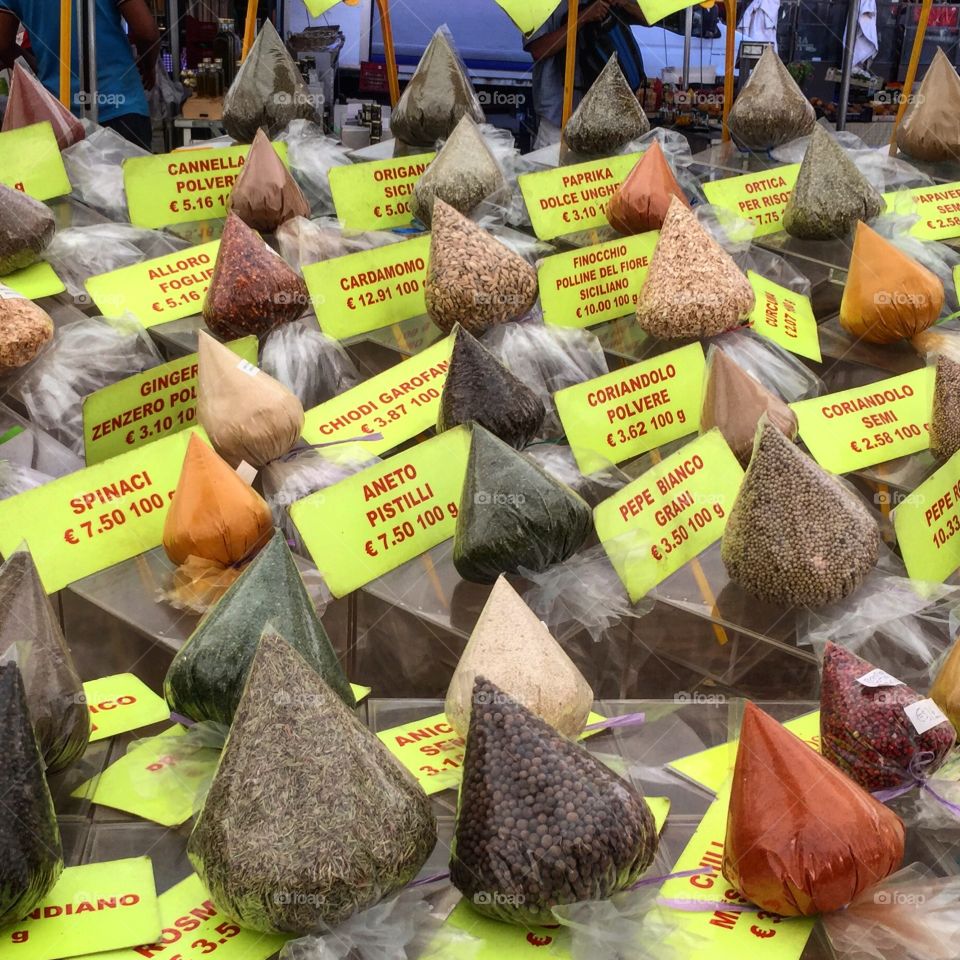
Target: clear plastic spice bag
column 930, row 129
column 16, row 478
column 311, row 155
column 25, row 329
column 328, row 832
column 640, row 203
column 30, row 636
column 26, row 229
column 32, row 858
column 540, row 821
column 268, row 90
column 303, row 241
column 945, row 421
column 28, row 446
column 30, row 102
column 206, row 677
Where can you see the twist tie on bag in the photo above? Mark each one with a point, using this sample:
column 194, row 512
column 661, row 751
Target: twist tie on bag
column 612, row 723
column 695, row 906
column 292, row 454
column 679, row 875
column 433, row 878
column 918, row 764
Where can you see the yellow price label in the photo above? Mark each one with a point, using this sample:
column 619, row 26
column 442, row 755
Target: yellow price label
column 528, row 15
column 147, row 406
column 319, row 7
column 120, row 703
column 760, row 197
column 635, row 409
column 785, row 317
column 371, row 523
column 573, row 198
column 32, row 162
column 594, row 284
column 34, row 282
column 655, row 10
column 937, row 209
column 871, row 424
column 376, row 195
column 670, row 514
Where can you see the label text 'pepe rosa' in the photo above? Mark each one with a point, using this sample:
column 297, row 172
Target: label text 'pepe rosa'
column 220, row 182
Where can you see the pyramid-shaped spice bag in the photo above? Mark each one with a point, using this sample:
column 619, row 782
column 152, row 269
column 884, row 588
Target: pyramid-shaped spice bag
column 771, row 109
column 214, row 515
column 25, row 329
column 735, row 401
column 608, row 117
column 438, row 95
column 830, row 195
column 252, row 289
column 30, row 102
column 641, row 202
column 32, row 856
column 945, row 422
column 26, row 229
column 247, row 414
column 309, row 818
column 481, row 389
column 30, row 635
column 802, row 838
column 795, row 534
column 930, row 129
column 888, row 296
column 513, row 514
column 207, row 675
column 265, row 195
column 472, row 278
column 945, row 692
column 540, row 821
column 693, row 287
column 512, row 648
column 268, row 91
column 462, row 174
column 877, row 730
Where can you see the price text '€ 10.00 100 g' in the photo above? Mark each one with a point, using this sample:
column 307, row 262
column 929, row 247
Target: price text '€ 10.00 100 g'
column 118, row 516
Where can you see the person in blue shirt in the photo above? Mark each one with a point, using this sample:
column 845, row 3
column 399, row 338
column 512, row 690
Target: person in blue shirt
column 121, row 76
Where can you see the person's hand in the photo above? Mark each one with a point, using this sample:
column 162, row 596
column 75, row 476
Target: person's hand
column 148, row 75
column 596, row 11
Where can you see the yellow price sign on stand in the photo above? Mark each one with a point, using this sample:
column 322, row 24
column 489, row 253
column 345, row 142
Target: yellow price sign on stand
column 32, row 162
column 785, row 317
column 760, row 197
column 120, row 703
column 34, row 282
column 376, row 195
column 528, row 15
column 655, row 10
column 937, row 209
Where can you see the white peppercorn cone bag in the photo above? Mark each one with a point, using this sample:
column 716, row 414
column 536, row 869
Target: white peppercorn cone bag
column 930, row 129
column 247, row 414
column 516, row 651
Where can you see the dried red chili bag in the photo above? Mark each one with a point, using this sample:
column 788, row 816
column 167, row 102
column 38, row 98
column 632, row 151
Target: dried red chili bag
column 877, row 730
column 802, row 838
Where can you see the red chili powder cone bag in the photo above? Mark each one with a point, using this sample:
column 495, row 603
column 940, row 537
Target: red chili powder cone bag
column 641, row 202
column 802, row 838
column 30, row 102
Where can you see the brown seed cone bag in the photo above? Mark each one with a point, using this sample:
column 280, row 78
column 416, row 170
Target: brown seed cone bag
column 945, row 691
column 641, row 202
column 247, row 414
column 734, row 401
column 693, row 287
column 930, row 129
column 265, row 195
column 214, row 515
column 945, row 422
column 252, row 289
column 473, row 279
column 888, row 296
column 30, row 102
column 26, row 228
column 802, row 838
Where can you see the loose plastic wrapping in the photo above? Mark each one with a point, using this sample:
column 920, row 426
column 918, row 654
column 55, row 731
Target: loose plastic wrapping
column 480, row 389
column 888, row 295
column 31, row 855
column 30, row 636
column 265, row 195
column 945, row 421
column 30, row 102
column 252, row 289
column 693, row 287
column 512, row 648
column 29, row 447
column 25, row 329
column 438, row 95
column 462, row 174
column 945, row 691
column 26, row 229
column 513, row 515
column 521, row 775
column 473, row 279
column 867, row 731
column 85, row 356
column 328, row 832
column 303, row 241
column 267, row 91
column 607, row 118
column 558, row 460
column 831, row 195
column 640, row 203
column 16, row 478
column 206, row 678
column 311, row 155
column 770, row 109
column 247, row 414
column 930, row 129
column 795, row 534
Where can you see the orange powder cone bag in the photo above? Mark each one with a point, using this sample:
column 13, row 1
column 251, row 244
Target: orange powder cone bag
column 640, row 203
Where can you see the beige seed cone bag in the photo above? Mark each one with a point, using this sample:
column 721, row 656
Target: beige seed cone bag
column 930, row 129
column 247, row 414
column 514, row 650
column 945, row 422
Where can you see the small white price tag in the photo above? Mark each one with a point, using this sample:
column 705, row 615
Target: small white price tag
column 879, row 678
column 925, row 715
column 248, row 368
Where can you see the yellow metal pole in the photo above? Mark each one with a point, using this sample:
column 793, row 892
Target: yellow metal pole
column 66, row 21
column 569, row 77
column 911, row 71
column 390, row 55
column 731, row 8
column 249, row 28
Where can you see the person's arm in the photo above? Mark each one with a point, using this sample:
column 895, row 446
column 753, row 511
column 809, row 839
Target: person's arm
column 629, row 11
column 145, row 36
column 9, row 48
column 552, row 43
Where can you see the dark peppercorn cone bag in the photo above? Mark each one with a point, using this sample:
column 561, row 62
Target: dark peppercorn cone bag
column 540, row 821
column 641, row 202
column 207, row 675
column 30, row 102
column 930, row 129
column 481, row 389
column 802, row 838
column 513, row 514
column 309, row 819
column 26, row 229
column 881, row 733
column 31, row 856
column 945, row 422
column 30, row 634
